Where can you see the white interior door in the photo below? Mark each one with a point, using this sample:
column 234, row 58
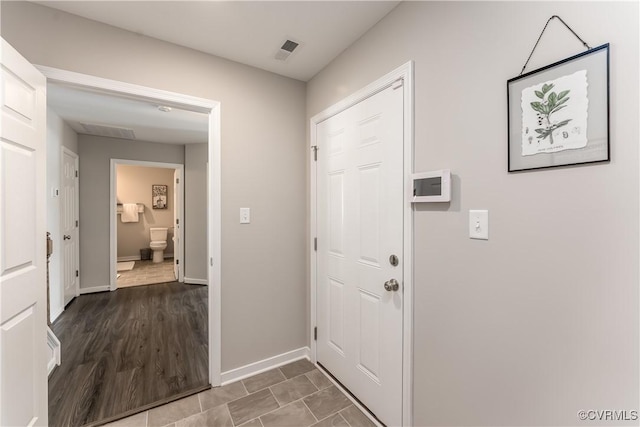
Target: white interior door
column 23, row 336
column 69, row 226
column 360, row 218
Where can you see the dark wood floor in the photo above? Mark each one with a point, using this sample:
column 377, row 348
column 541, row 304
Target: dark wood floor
column 126, row 349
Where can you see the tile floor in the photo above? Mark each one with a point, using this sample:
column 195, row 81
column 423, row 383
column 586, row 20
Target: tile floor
column 147, row 273
column 296, row 395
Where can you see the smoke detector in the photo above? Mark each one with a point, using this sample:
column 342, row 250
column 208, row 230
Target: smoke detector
column 286, row 50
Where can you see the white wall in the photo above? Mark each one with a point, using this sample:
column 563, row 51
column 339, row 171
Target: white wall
column 541, row 320
column 263, row 164
column 59, row 135
column 195, row 213
column 134, row 186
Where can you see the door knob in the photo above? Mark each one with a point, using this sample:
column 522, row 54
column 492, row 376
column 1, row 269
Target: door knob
column 391, row 285
column 66, row 237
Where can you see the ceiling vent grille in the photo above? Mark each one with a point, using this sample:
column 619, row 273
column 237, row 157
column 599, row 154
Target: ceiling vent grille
column 289, row 46
column 108, row 131
column 286, row 50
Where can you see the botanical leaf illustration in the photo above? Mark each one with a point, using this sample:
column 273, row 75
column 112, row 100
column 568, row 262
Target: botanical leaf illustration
column 553, row 103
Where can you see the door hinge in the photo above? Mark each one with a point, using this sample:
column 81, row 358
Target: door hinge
column 76, row 174
column 77, row 273
column 315, row 243
column 177, row 180
column 315, row 149
column 315, row 333
column 211, row 262
column 397, row 84
column 177, row 221
column 76, row 223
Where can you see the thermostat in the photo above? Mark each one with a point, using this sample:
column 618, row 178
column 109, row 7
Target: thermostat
column 433, row 186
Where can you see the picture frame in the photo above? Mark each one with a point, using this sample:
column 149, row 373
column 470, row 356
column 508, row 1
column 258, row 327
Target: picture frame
column 159, row 196
column 558, row 115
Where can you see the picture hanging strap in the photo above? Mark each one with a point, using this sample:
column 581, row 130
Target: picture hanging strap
column 540, row 36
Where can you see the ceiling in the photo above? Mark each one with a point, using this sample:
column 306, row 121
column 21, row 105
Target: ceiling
column 249, row 32
column 76, row 106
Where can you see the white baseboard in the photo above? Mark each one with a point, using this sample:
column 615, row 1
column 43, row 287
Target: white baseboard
column 190, row 281
column 54, row 345
column 54, row 315
column 94, row 289
column 137, row 257
column 264, row 365
column 129, row 258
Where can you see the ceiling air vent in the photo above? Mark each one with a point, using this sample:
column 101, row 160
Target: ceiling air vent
column 108, row 131
column 286, row 49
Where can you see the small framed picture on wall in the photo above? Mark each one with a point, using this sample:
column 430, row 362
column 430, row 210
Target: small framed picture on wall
column 159, row 196
column 559, row 114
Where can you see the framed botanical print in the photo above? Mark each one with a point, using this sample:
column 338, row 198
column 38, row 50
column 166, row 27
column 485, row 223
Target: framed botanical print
column 559, row 114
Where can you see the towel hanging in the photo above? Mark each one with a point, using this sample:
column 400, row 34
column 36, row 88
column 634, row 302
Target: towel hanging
column 129, row 212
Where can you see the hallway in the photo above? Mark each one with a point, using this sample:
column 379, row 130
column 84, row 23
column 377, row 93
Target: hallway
column 126, row 349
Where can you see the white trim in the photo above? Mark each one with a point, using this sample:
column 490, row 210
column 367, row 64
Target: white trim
column 408, row 289
column 191, row 281
column 137, row 257
column 94, row 289
column 214, row 231
column 99, row 84
column 260, row 366
column 214, row 212
column 54, row 314
column 128, row 258
column 404, row 72
column 113, row 216
column 54, row 345
column 178, row 250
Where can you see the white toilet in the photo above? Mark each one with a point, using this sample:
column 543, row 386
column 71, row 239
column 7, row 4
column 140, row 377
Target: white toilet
column 158, row 243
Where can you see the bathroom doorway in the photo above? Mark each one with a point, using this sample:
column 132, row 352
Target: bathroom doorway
column 147, row 243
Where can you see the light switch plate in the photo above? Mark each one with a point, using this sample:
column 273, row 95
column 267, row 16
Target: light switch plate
column 479, row 224
column 245, row 215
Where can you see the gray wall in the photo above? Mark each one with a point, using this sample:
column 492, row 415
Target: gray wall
column 95, row 168
column 263, row 163
column 134, row 186
column 59, row 135
column 195, row 213
column 541, row 320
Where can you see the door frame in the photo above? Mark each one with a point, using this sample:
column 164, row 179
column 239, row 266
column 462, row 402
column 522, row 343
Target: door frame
column 214, row 228
column 64, row 150
column 404, row 73
column 113, row 216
